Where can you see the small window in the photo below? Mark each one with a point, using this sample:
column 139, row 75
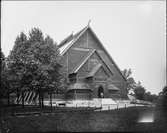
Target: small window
column 72, row 78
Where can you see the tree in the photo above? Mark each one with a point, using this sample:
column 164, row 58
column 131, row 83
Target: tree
column 139, row 92
column 150, row 97
column 17, row 66
column 4, row 83
column 127, row 73
column 163, row 98
column 161, row 109
column 34, row 63
column 131, row 84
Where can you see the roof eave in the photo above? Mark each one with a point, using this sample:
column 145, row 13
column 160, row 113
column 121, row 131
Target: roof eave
column 74, row 40
column 108, row 54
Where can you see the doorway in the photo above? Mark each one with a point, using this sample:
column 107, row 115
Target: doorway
column 100, row 92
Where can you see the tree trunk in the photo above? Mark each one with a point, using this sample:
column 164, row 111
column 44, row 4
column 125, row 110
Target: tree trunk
column 8, row 98
column 42, row 99
column 39, row 98
column 23, row 99
column 51, row 100
column 17, row 96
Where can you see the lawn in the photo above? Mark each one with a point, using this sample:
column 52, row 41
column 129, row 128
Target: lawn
column 125, row 119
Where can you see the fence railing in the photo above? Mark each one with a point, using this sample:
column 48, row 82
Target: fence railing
column 61, row 106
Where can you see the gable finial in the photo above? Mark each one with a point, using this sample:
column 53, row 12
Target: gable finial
column 89, row 22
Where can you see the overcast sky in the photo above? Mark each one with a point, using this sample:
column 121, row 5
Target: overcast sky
column 133, row 32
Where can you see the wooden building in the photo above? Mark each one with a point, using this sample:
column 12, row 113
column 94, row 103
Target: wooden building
column 90, row 70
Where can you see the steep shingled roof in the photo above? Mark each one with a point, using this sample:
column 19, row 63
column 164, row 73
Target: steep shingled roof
column 82, row 62
column 69, row 41
column 64, row 48
column 66, row 40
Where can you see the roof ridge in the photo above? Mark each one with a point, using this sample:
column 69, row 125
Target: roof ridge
column 79, row 31
column 78, row 34
column 108, row 54
column 75, row 38
column 67, row 39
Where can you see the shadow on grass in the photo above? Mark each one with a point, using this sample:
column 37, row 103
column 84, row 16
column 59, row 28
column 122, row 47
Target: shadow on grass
column 120, row 120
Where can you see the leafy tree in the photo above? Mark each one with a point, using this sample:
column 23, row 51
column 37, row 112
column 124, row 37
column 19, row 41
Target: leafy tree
column 17, row 66
column 137, row 88
column 161, row 109
column 4, row 81
column 3, row 85
column 5, row 89
column 163, row 98
column 150, row 97
column 127, row 73
column 131, row 84
column 139, row 92
column 34, row 64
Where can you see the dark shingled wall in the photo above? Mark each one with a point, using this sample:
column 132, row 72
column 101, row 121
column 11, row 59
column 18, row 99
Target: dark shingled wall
column 86, row 43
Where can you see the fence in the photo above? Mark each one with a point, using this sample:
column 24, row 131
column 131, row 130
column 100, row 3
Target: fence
column 60, row 106
column 102, row 107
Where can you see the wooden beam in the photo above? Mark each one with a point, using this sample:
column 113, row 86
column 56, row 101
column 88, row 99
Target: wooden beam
column 81, row 49
column 67, row 64
column 87, row 47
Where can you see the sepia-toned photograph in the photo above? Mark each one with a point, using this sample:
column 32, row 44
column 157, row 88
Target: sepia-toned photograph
column 83, row 66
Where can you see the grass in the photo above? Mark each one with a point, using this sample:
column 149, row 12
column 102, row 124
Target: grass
column 31, row 109
column 83, row 121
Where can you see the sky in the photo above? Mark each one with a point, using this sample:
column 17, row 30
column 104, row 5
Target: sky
column 133, row 32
